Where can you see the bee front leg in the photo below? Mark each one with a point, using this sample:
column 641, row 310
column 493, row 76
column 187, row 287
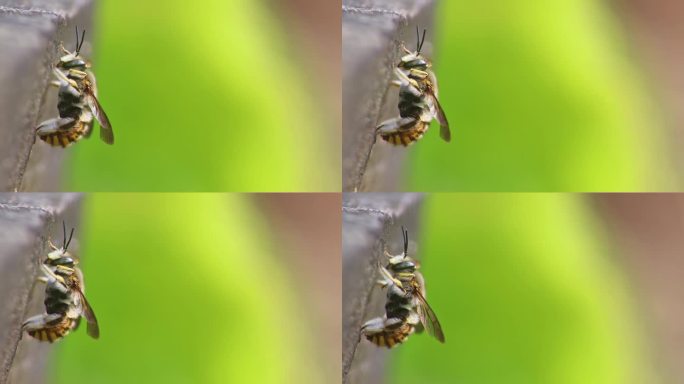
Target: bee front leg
column 64, row 50
column 64, row 80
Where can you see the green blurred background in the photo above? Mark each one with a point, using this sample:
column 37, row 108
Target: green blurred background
column 546, row 96
column 209, row 96
column 528, row 289
column 197, row 288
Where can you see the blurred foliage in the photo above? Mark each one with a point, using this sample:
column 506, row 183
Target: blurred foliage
column 205, row 97
column 526, row 292
column 542, row 97
column 185, row 291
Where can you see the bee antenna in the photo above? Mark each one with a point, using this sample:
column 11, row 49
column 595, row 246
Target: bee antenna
column 76, row 53
column 422, row 40
column 64, row 232
column 405, row 233
column 78, row 50
column 418, row 51
column 69, row 242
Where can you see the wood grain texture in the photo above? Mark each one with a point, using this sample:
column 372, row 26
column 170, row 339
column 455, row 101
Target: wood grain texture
column 30, row 32
column 369, row 222
column 26, row 222
column 372, row 32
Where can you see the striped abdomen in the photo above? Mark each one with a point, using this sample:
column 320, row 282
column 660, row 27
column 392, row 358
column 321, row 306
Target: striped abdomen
column 391, row 337
column 64, row 138
column 406, row 137
column 53, row 332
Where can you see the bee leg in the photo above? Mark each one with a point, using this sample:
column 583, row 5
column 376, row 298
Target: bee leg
column 418, row 74
column 52, row 246
column 372, row 326
column 389, row 278
column 41, row 321
column 55, row 125
column 64, row 50
column 64, row 80
column 52, row 278
column 394, row 125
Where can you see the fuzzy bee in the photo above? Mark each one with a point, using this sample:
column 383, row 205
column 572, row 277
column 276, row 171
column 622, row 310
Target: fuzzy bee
column 398, row 323
column 77, row 102
column 406, row 309
column 418, row 102
column 64, row 302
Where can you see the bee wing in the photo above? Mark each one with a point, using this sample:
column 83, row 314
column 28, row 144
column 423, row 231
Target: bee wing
column 106, row 133
column 428, row 318
column 444, row 132
column 93, row 328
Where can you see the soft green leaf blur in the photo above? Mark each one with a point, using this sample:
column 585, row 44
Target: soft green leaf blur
column 541, row 96
column 526, row 291
column 186, row 290
column 204, row 97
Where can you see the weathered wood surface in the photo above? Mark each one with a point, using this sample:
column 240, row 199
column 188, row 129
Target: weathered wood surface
column 371, row 35
column 26, row 222
column 369, row 222
column 30, row 31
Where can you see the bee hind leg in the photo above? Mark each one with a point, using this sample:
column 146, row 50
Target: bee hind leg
column 372, row 326
column 41, row 321
column 394, row 125
column 55, row 125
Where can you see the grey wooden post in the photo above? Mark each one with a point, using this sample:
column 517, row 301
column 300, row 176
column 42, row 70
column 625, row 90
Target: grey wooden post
column 369, row 222
column 30, row 31
column 26, row 222
column 371, row 35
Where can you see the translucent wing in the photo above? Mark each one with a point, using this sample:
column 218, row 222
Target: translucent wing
column 428, row 318
column 106, row 133
column 93, row 328
column 444, row 132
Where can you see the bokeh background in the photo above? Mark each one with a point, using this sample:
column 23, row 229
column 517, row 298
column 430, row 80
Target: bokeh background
column 562, row 96
column 236, row 95
column 549, row 288
column 208, row 288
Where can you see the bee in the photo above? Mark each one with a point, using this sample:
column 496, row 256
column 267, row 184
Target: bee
column 398, row 323
column 418, row 101
column 65, row 302
column 406, row 309
column 77, row 102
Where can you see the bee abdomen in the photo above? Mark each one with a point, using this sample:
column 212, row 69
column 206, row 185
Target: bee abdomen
column 405, row 137
column 391, row 337
column 64, row 138
column 52, row 333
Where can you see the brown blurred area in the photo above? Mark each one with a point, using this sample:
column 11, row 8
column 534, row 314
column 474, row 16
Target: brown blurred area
column 648, row 232
column 656, row 32
column 314, row 30
column 308, row 229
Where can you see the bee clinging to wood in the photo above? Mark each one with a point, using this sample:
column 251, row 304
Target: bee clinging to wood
column 418, row 102
column 64, row 301
column 77, row 102
column 406, row 309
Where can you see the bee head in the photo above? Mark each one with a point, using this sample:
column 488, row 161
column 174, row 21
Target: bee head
column 74, row 60
column 414, row 60
column 62, row 260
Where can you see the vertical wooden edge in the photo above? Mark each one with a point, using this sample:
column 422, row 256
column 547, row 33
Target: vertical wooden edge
column 369, row 223
column 27, row 221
